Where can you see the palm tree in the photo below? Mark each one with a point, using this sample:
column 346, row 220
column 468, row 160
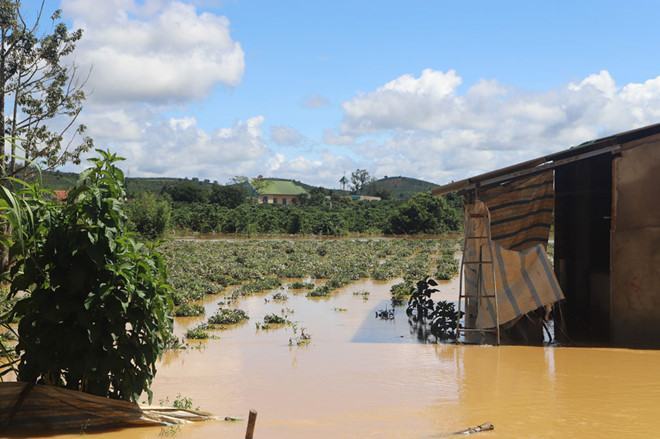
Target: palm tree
column 343, row 181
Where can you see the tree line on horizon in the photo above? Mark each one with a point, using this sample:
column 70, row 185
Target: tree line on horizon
column 187, row 206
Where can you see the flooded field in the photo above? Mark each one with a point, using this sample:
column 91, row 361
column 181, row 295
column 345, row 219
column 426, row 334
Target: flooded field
column 360, row 377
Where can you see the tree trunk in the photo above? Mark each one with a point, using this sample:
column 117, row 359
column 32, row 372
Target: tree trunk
column 12, row 159
column 2, row 101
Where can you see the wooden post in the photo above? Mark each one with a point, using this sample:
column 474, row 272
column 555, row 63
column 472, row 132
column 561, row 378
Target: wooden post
column 252, row 420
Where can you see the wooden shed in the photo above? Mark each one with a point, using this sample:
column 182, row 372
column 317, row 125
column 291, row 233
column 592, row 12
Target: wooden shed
column 606, row 235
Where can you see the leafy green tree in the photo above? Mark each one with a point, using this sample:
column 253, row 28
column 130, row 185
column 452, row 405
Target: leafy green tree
column 149, row 215
column 359, row 179
column 186, row 191
column 227, row 196
column 424, row 213
column 97, row 316
column 343, row 181
column 37, row 88
column 295, row 222
column 316, row 196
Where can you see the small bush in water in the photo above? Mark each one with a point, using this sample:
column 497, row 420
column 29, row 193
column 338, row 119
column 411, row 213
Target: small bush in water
column 198, row 332
column 228, row 317
column 274, row 319
column 321, row 291
column 301, row 286
column 279, row 297
column 400, row 293
column 189, row 310
column 447, row 267
column 183, row 402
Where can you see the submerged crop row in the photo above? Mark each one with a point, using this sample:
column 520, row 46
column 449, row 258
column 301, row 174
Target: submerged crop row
column 197, row 268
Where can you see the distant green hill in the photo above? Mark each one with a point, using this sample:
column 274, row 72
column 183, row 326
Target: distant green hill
column 399, row 188
column 65, row 180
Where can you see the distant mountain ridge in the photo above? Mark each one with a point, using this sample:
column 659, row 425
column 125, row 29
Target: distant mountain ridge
column 397, row 188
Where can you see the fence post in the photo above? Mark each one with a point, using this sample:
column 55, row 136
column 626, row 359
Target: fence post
column 252, row 420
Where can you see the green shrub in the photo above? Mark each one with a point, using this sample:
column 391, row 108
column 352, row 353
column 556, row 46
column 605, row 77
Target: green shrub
column 189, row 310
column 447, row 267
column 301, row 286
column 321, row 291
column 274, row 319
column 198, row 332
column 149, row 215
column 424, row 213
column 401, row 292
column 228, row 317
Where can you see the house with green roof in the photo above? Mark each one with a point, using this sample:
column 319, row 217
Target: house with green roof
column 278, row 191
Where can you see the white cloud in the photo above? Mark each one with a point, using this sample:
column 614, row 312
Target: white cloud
column 287, row 136
column 156, row 51
column 424, row 127
column 179, row 147
column 316, row 101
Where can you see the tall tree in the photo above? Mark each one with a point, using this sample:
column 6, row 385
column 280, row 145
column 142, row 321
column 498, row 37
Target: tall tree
column 41, row 93
column 343, row 182
column 359, row 179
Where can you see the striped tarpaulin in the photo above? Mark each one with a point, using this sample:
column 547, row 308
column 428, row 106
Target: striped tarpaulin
column 524, row 280
column 521, row 211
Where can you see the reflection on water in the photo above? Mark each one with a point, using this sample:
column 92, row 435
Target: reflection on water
column 362, row 377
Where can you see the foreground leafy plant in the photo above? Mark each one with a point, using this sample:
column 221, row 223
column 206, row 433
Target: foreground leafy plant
column 98, row 314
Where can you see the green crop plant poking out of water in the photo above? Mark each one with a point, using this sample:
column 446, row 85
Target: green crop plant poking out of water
column 198, row 268
column 228, row 317
column 189, row 310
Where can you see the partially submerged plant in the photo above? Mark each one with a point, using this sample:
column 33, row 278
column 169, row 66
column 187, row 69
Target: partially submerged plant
column 420, row 304
column 188, row 309
column 440, row 318
column 301, row 286
column 400, row 293
column 274, row 319
column 385, row 314
column 321, row 291
column 447, row 266
column 226, row 316
column 198, row 332
column 279, row 297
column 444, row 320
column 300, row 338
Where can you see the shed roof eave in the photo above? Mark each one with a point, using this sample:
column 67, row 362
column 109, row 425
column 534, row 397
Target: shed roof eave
column 584, row 150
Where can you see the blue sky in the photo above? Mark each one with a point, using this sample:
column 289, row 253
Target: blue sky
column 504, row 81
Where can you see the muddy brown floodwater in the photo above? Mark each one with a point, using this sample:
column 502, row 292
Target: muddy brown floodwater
column 366, row 378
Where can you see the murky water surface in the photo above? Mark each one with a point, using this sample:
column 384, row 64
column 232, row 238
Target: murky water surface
column 366, row 378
